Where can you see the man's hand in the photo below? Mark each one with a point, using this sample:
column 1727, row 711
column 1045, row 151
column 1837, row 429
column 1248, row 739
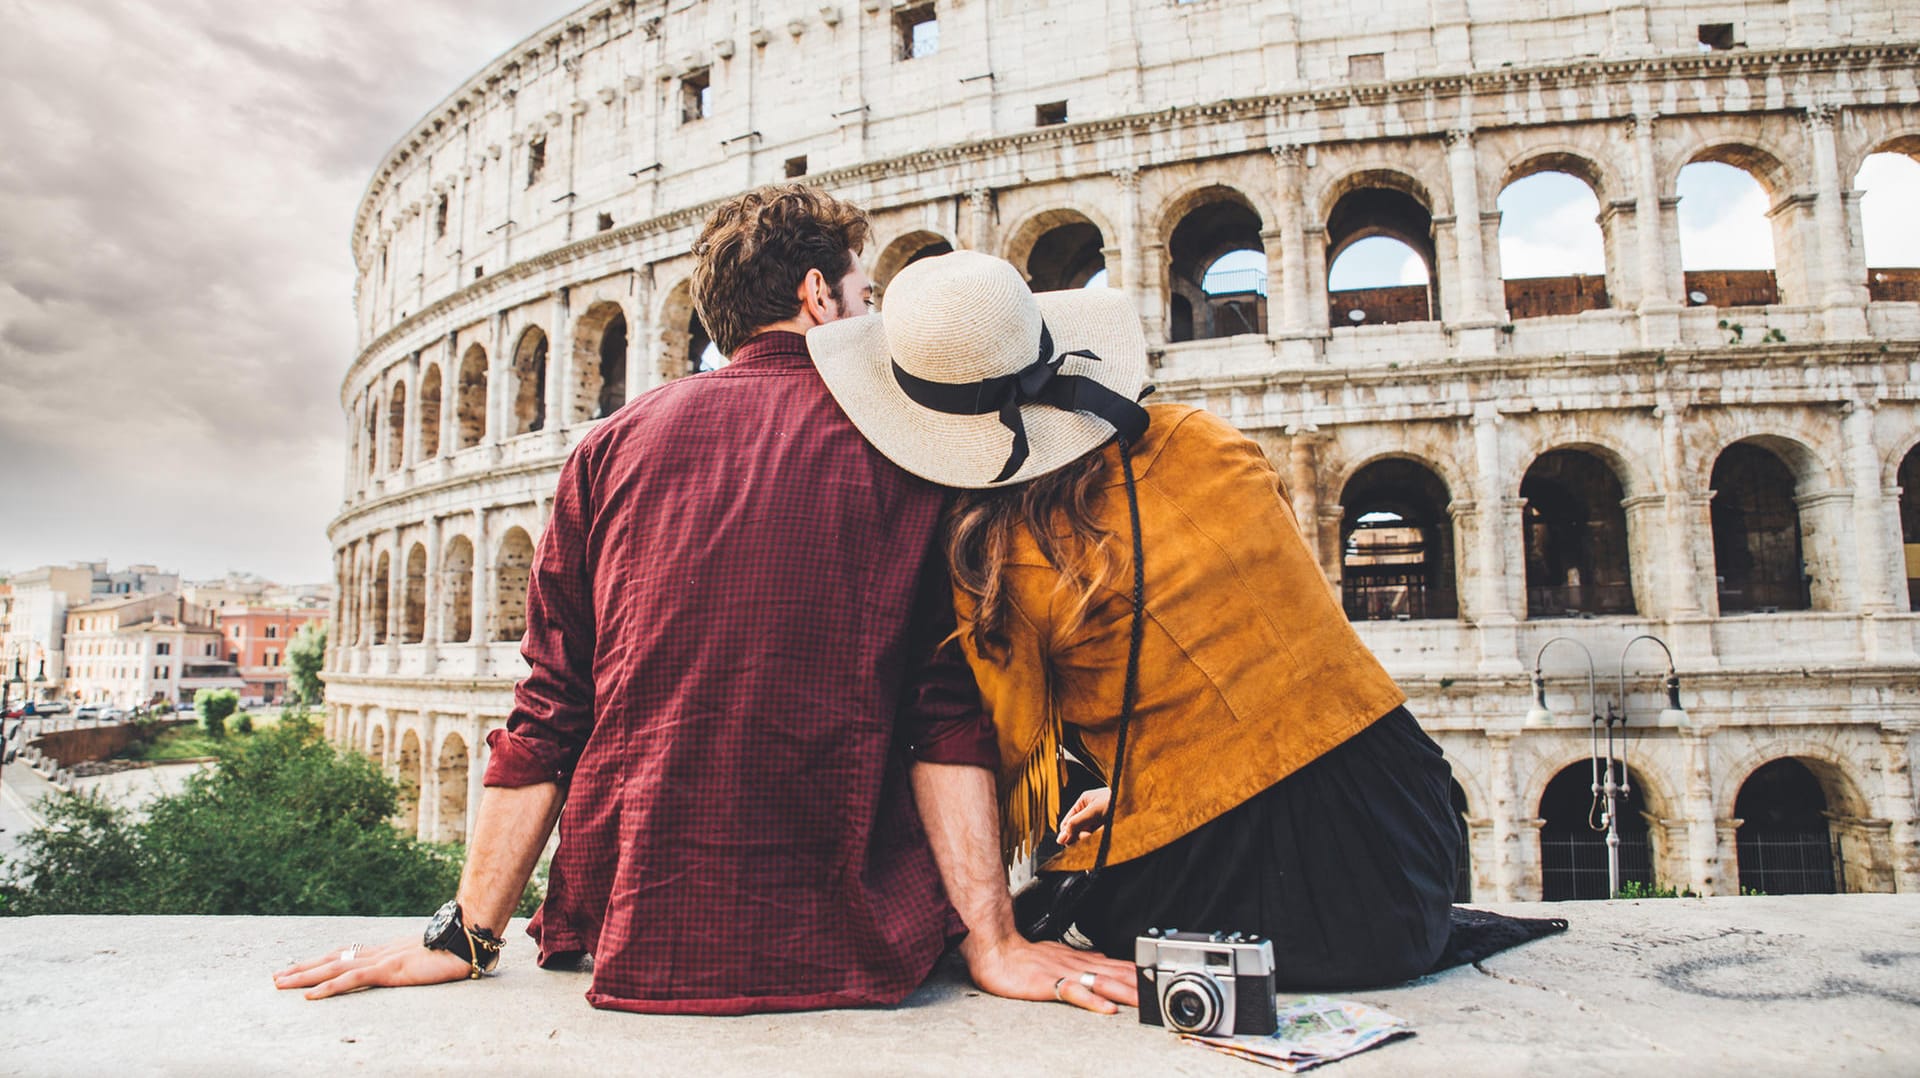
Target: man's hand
column 402, row 962
column 1017, row 969
column 1087, row 815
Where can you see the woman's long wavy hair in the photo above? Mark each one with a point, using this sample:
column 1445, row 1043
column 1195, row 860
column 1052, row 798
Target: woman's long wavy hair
column 1058, row 509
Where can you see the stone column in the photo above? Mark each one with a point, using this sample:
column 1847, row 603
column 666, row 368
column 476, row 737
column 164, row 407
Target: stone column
column 1842, row 268
column 1506, row 812
column 476, row 770
column 499, row 393
column 410, row 418
column 450, row 396
column 1314, row 252
column 482, row 591
column 429, row 811
column 1304, row 492
column 1465, row 295
column 1704, row 875
column 639, row 332
column 432, row 635
column 396, row 598
column 1287, row 276
column 979, row 235
column 1863, row 467
column 1496, row 613
column 1659, row 303
column 559, row 367
column 1125, row 272
column 1899, row 809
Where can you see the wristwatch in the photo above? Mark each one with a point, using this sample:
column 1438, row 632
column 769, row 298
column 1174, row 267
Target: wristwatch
column 448, row 932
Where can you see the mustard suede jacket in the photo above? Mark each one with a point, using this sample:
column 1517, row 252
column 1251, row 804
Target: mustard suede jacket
column 1249, row 669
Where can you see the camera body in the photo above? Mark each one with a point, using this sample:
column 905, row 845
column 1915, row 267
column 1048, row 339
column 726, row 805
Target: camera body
column 1213, row 984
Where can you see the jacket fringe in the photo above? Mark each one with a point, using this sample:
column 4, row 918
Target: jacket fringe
column 1030, row 806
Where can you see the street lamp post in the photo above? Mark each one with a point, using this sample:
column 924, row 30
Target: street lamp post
column 1610, row 779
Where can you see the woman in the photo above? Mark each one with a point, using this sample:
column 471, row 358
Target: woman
column 1271, row 780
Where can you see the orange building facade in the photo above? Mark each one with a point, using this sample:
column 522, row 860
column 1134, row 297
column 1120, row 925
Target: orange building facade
column 256, row 639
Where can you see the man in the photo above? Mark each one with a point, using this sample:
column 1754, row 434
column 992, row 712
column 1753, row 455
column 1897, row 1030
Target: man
column 739, row 695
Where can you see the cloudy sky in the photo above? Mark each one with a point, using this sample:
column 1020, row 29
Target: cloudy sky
column 176, row 192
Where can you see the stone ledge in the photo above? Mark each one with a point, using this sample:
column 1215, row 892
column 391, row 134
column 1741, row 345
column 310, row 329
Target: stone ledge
column 1713, row 986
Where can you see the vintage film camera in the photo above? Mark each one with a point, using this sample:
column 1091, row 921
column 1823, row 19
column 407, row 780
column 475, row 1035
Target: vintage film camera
column 1214, row 984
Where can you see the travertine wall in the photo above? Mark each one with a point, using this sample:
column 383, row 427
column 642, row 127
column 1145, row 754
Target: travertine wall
column 1195, row 128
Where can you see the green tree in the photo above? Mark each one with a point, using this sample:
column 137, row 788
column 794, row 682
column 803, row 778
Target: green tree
column 305, row 655
column 283, row 824
column 214, row 706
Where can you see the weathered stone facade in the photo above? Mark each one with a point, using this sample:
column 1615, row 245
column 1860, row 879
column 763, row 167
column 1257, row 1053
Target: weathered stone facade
column 1483, row 465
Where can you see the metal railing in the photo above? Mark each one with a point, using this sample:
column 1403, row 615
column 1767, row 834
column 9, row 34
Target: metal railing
column 1790, row 862
column 1574, row 865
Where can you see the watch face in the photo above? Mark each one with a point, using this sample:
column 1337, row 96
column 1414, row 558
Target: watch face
column 443, row 919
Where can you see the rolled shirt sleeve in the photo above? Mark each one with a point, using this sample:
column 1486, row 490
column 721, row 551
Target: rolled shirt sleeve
column 553, row 705
column 941, row 717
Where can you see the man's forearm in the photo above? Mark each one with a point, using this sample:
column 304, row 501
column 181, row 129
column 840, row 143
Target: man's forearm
column 508, row 835
column 957, row 808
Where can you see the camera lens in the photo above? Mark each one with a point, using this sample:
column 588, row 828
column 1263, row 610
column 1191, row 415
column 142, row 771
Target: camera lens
column 1191, row 1004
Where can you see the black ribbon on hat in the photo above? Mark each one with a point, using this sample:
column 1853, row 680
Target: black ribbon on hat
column 1039, row 382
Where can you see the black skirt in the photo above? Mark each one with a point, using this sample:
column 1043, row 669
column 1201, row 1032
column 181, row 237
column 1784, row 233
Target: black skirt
column 1347, row 865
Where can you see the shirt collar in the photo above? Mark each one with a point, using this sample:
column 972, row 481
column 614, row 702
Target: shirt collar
column 778, row 348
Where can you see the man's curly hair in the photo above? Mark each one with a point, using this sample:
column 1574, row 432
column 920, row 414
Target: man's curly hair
column 757, row 248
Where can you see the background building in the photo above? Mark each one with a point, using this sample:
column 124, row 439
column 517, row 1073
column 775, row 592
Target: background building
column 144, row 649
column 1486, row 457
column 256, row 640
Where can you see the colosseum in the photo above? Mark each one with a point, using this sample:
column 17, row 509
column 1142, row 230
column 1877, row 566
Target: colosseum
column 1500, row 470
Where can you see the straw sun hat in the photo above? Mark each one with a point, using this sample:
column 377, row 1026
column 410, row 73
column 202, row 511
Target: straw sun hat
column 969, row 379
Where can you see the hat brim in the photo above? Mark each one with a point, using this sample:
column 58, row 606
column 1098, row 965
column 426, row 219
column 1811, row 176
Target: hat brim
column 970, row 450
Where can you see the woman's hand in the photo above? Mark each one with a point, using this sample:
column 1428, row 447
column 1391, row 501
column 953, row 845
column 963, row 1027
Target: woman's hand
column 1086, row 816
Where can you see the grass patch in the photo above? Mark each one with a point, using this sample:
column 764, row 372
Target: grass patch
column 179, row 743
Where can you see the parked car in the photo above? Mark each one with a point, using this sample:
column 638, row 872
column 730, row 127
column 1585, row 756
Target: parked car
column 15, row 711
column 51, row 707
column 88, row 711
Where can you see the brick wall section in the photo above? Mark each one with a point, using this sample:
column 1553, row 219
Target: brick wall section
column 1538, row 297
column 1733, row 288
column 1382, row 306
column 1894, row 285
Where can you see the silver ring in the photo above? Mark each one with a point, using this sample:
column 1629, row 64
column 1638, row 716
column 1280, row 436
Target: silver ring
column 1087, row 978
column 352, row 952
column 1056, row 990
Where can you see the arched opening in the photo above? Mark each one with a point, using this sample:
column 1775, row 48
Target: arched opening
column 1909, row 479
column 530, row 381
column 1066, row 255
column 1552, row 254
column 904, row 252
column 1759, row 565
column 430, row 413
column 1235, row 302
column 1889, row 186
column 377, row 742
column 1785, row 840
column 1576, row 537
column 510, row 586
column 382, row 583
column 470, row 410
column 397, row 427
column 370, row 440
column 1573, row 837
column 452, row 773
column 1726, row 240
column 1380, row 254
column 600, row 363
column 413, row 614
column 410, row 777
column 1463, row 874
column 702, row 353
column 456, row 590
column 1396, row 543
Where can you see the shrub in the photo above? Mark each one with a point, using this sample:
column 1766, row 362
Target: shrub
column 214, row 707
column 243, row 723
column 305, row 655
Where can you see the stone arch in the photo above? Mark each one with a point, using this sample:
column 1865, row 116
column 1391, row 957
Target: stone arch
column 453, row 762
column 1576, row 162
column 904, row 250
column 382, row 586
column 410, row 776
column 513, row 565
column 530, row 381
column 456, row 591
column 1762, row 561
column 1907, row 475
column 1210, row 222
column 1397, row 544
column 599, row 362
column 1750, row 155
column 1534, row 294
column 470, row 407
column 1854, row 156
column 376, row 741
column 1059, row 247
column 1895, row 279
column 430, row 394
column 1727, row 286
column 1574, row 526
column 413, row 611
column 683, row 336
column 1384, row 203
column 1860, row 862
column 396, row 426
column 1573, row 856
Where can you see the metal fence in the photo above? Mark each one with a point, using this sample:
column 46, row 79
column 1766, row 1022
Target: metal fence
column 1789, row 862
column 1574, row 865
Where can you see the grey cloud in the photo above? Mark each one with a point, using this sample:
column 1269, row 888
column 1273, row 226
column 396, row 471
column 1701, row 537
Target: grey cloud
column 174, row 216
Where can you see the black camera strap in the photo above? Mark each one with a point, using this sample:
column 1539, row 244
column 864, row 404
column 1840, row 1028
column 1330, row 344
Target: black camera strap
column 1130, row 692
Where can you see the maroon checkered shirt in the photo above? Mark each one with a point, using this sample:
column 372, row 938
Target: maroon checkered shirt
column 732, row 624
